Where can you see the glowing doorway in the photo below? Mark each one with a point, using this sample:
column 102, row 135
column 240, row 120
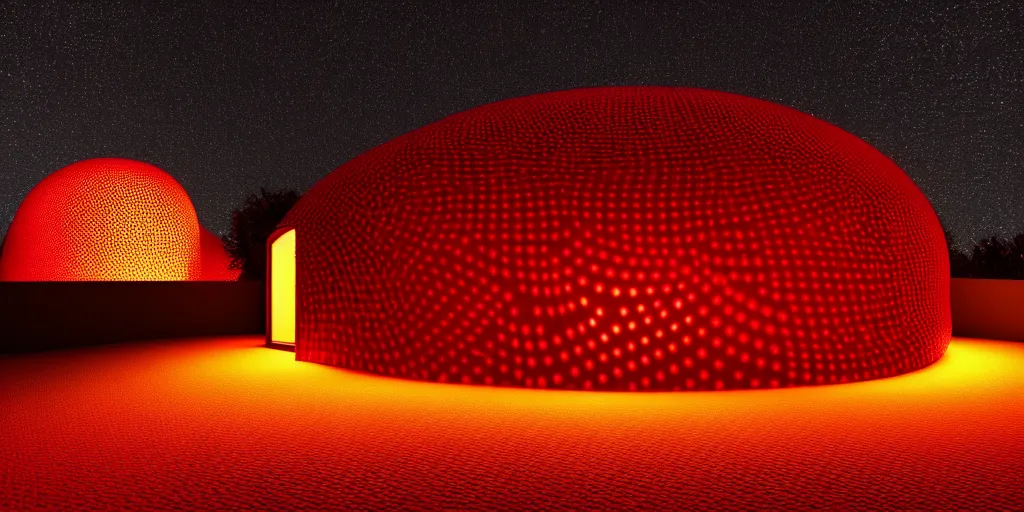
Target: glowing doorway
column 281, row 292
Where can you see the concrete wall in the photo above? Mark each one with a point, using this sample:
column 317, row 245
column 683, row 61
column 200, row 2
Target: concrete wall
column 52, row 315
column 988, row 308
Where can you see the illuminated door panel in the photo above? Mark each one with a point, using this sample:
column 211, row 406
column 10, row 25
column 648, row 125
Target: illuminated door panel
column 282, row 288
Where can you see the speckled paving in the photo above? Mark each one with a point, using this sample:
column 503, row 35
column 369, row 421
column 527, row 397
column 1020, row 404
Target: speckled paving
column 223, row 423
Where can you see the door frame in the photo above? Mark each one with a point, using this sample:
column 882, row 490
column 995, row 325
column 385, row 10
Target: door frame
column 269, row 292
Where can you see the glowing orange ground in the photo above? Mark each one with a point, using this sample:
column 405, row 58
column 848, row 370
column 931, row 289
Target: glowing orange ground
column 223, row 423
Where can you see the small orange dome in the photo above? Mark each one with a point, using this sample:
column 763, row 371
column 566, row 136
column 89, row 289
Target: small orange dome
column 105, row 219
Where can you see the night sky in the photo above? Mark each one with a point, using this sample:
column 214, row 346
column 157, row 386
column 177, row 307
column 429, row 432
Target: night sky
column 231, row 99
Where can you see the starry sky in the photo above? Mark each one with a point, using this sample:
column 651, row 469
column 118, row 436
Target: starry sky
column 228, row 99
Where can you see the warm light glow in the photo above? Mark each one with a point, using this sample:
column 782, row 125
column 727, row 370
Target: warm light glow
column 972, row 373
column 104, row 219
column 251, row 428
column 623, row 238
column 111, row 219
column 282, row 288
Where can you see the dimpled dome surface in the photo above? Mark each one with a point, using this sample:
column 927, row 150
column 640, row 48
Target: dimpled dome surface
column 627, row 238
column 105, row 219
column 216, row 260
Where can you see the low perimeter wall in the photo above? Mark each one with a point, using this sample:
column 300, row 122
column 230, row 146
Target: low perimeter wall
column 45, row 316
column 52, row 315
column 988, row 308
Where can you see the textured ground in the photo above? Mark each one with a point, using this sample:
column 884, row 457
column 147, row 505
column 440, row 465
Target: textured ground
column 225, row 424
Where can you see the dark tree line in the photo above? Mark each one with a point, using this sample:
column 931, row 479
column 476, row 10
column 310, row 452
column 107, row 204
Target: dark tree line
column 990, row 258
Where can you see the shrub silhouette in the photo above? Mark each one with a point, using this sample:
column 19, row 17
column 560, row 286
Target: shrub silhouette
column 251, row 226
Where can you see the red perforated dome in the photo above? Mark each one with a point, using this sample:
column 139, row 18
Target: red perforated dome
column 216, row 260
column 105, row 219
column 629, row 238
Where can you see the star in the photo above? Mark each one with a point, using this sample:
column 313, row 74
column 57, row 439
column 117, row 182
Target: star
column 229, row 99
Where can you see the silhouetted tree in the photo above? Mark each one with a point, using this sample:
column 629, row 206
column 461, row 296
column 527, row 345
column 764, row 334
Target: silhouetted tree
column 251, row 226
column 1016, row 262
column 992, row 258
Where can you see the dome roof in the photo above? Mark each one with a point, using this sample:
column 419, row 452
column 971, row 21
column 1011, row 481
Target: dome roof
column 216, row 261
column 106, row 219
column 626, row 238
